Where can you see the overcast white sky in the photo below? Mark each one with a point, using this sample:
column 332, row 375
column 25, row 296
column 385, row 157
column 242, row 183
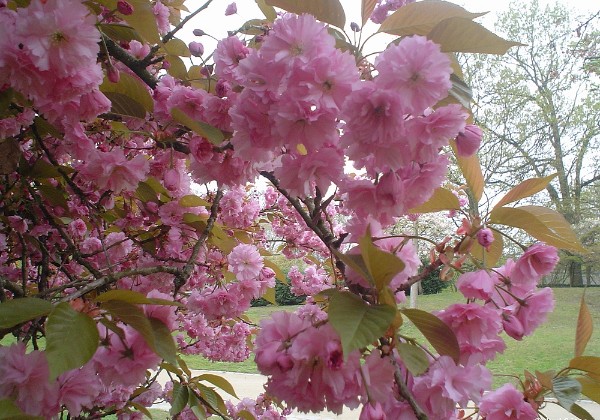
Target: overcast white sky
column 214, row 21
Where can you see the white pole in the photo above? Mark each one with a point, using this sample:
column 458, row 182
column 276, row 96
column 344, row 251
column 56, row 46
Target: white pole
column 414, row 288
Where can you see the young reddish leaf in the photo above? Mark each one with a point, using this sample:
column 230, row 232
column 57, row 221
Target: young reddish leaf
column 366, row 9
column 567, row 391
column 440, row 336
column 442, row 199
column 357, row 323
column 489, row 258
column 459, row 34
column 17, row 311
column 71, row 339
column 421, row 17
column 542, row 223
column 525, row 189
column 11, row 154
column 590, row 364
column 381, row 265
column 414, row 358
column 585, row 326
column 471, row 170
column 328, row 11
column 218, row 381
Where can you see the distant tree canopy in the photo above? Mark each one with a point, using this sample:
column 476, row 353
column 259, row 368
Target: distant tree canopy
column 539, row 105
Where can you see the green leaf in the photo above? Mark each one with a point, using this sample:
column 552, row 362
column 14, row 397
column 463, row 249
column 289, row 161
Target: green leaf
column 42, row 169
column 129, row 96
column 9, row 411
column 540, row 222
column 442, row 199
column 357, row 263
column 197, row 407
column 193, row 201
column 180, row 398
column 54, row 195
column 328, row 11
column 143, row 20
column 163, row 341
column 133, row 316
column 212, row 398
column 213, row 134
column 17, row 311
column 177, row 48
column 382, row 265
column 566, row 390
column 145, row 193
column 414, row 358
column 119, row 32
column 585, row 327
column 421, row 17
column 459, row 34
column 279, row 274
column 267, row 10
column 131, row 296
column 254, row 27
column 581, row 412
column 177, row 67
column 270, row 296
column 139, row 407
column 358, row 323
column 590, row 364
column 11, row 156
column 71, row 339
column 525, row 189
column 219, row 381
column 366, row 9
column 440, row 336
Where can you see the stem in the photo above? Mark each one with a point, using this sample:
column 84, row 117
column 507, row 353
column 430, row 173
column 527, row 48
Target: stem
column 405, row 393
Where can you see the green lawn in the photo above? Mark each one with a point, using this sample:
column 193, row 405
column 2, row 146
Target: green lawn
column 550, row 347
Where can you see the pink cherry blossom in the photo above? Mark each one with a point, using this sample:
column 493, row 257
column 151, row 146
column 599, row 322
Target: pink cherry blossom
column 417, row 70
column 485, row 237
column 245, row 262
column 476, row 285
column 506, row 403
column 539, row 260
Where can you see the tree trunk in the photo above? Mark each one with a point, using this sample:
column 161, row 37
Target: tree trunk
column 575, row 274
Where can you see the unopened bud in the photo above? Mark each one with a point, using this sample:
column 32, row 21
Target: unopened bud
column 125, row 8
column 354, row 26
column 196, row 49
column 113, row 74
column 198, row 32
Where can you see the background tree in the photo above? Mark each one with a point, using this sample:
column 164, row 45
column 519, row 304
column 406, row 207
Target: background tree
column 539, row 106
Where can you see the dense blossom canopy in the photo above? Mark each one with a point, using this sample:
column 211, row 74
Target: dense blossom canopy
column 133, row 229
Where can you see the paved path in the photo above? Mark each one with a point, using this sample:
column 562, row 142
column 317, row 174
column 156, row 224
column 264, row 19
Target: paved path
column 250, row 385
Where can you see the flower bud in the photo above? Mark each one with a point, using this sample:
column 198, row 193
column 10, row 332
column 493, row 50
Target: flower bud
column 468, row 141
column 125, row 8
column 198, row 32
column 354, row 26
column 231, row 9
column 113, row 74
column 196, row 49
column 485, row 237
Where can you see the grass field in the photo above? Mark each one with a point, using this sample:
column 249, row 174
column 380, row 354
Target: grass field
column 550, row 347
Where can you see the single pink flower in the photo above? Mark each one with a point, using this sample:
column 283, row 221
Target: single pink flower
column 485, row 237
column 506, row 403
column 245, row 262
column 476, row 285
